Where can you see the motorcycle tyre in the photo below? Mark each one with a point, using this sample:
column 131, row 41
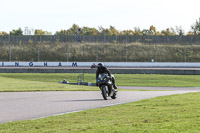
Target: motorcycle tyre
column 104, row 93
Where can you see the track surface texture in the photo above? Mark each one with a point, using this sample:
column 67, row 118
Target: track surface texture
column 16, row 106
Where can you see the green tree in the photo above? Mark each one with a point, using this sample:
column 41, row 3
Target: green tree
column 146, row 32
column 62, row 32
column 179, row 31
column 103, row 31
column 190, row 33
column 113, row 31
column 137, row 31
column 3, row 33
column 89, row 31
column 73, row 30
column 18, row 32
column 100, row 29
column 168, row 32
column 196, row 27
column 127, row 32
column 41, row 32
column 108, row 31
column 152, row 30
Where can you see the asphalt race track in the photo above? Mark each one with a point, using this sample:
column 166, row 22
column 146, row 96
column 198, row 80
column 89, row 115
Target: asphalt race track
column 16, row 106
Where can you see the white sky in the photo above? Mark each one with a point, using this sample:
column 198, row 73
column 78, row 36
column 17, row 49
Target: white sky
column 54, row 15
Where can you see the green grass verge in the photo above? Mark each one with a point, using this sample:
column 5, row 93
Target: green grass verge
column 177, row 113
column 50, row 82
column 14, row 85
column 156, row 80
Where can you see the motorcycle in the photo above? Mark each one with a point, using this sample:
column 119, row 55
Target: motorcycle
column 106, row 86
column 93, row 66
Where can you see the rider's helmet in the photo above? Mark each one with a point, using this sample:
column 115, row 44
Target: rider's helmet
column 100, row 65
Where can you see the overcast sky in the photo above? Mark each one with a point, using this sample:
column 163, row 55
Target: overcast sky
column 54, row 15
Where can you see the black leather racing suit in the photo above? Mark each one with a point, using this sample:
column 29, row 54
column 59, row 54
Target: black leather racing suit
column 101, row 70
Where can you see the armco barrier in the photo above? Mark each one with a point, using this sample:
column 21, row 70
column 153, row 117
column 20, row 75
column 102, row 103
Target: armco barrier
column 113, row 70
column 115, row 67
column 108, row 64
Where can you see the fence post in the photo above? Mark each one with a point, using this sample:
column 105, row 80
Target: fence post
column 67, row 55
column 97, row 53
column 155, row 53
column 38, row 54
column 10, row 54
column 185, row 54
column 126, row 48
column 8, row 39
column 40, row 38
column 126, row 52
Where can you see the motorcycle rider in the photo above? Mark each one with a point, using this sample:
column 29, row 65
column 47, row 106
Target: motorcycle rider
column 102, row 69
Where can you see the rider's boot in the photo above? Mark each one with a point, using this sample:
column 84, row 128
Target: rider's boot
column 115, row 87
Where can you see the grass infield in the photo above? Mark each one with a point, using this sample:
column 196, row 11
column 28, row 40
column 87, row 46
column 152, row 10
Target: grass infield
column 50, row 82
column 177, row 113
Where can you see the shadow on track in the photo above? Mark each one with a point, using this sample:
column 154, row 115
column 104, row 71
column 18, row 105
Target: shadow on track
column 86, row 100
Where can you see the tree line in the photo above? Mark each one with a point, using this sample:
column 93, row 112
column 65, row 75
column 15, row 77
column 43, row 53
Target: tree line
column 77, row 30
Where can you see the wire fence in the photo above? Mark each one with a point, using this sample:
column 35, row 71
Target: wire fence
column 9, row 39
column 101, row 52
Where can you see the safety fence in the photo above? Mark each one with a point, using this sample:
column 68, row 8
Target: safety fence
column 101, row 52
column 100, row 39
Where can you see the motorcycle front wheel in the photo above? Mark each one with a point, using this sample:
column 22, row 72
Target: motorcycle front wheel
column 104, row 92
